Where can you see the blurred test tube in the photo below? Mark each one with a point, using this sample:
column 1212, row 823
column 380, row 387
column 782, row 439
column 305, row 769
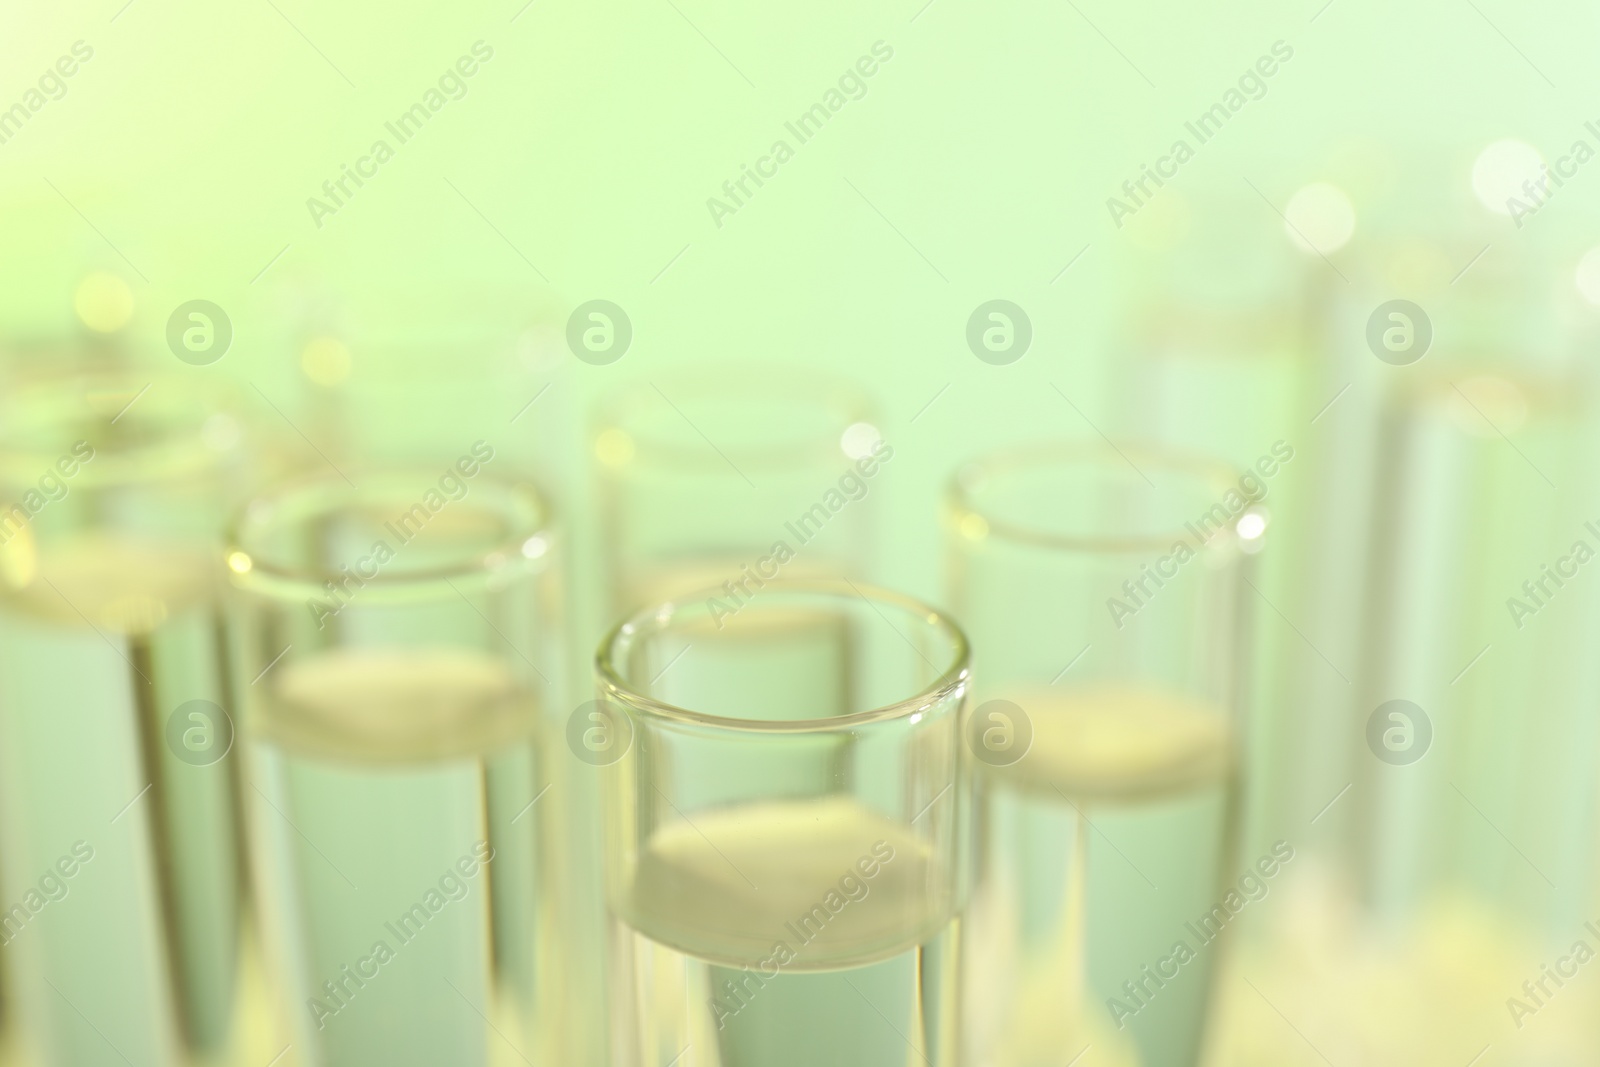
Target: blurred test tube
column 1102, row 591
column 120, row 782
column 727, row 478
column 1481, row 612
column 403, row 641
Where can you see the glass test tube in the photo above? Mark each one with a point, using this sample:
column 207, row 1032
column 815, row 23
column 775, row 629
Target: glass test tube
column 1488, row 790
column 1102, row 589
column 782, row 830
column 1466, row 813
column 1242, row 378
column 125, row 919
column 715, row 477
column 399, row 633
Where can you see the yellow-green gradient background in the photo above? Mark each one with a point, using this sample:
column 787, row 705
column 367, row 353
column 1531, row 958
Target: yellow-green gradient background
column 977, row 166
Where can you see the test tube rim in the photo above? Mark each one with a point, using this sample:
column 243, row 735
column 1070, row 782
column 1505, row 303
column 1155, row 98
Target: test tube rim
column 951, row 682
column 274, row 580
column 168, row 457
column 959, row 501
column 735, row 381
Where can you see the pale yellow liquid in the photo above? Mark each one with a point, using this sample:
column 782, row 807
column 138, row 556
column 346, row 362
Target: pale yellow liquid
column 699, row 923
column 1118, row 743
column 147, row 959
column 379, row 769
column 1100, row 843
column 396, row 705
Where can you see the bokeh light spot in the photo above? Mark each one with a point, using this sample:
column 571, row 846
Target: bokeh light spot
column 1500, row 170
column 326, row 361
column 103, row 302
column 1322, row 215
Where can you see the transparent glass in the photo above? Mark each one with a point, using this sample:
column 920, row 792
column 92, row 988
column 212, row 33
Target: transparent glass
column 126, row 923
column 398, row 639
column 1454, row 789
column 1487, row 473
column 730, row 476
column 1102, row 592
column 1234, row 365
column 783, row 814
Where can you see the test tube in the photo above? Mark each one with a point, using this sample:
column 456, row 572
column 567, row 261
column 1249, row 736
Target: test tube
column 720, row 477
column 125, row 919
column 400, row 634
column 782, row 830
column 1478, row 780
column 1102, row 590
column 1465, row 787
column 1247, row 377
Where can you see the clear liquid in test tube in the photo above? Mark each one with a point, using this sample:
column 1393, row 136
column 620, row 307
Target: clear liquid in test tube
column 396, row 775
column 1102, row 591
column 783, row 859
column 128, row 930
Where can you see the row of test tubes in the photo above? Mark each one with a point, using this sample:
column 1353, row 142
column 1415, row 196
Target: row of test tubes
column 305, row 760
